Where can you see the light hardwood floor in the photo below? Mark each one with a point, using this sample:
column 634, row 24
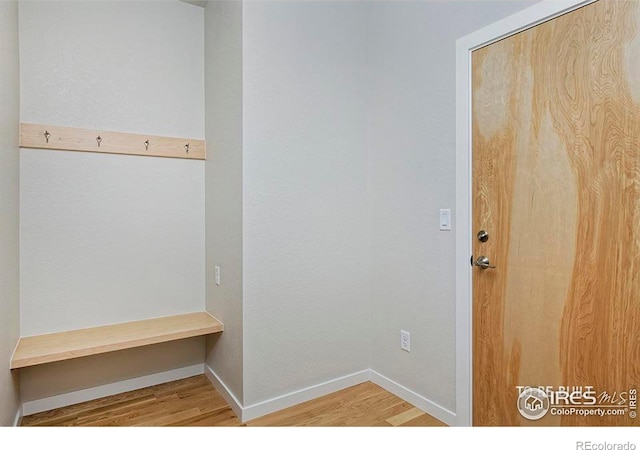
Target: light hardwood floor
column 194, row 402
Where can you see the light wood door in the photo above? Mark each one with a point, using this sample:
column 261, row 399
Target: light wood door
column 556, row 184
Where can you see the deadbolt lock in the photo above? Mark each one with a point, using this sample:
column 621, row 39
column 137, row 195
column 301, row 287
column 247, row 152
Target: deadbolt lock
column 483, row 236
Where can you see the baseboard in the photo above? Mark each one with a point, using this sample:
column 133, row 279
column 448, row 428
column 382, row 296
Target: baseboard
column 294, row 398
column 222, row 388
column 245, row 413
column 432, row 408
column 71, row 398
column 16, row 422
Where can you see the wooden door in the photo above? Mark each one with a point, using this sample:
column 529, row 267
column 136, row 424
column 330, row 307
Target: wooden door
column 556, row 185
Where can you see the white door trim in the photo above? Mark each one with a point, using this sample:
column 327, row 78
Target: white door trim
column 522, row 20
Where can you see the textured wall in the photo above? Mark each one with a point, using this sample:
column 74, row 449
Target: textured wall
column 133, row 66
column 9, row 209
column 111, row 238
column 306, row 248
column 107, row 239
column 223, row 88
column 412, row 135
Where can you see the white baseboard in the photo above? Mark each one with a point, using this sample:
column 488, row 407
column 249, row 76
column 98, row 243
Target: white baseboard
column 432, row 408
column 294, row 398
column 16, row 422
column 222, row 388
column 71, row 398
column 245, row 413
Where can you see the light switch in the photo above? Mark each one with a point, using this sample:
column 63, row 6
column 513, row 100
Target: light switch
column 445, row 219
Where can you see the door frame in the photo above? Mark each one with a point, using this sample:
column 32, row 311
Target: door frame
column 527, row 18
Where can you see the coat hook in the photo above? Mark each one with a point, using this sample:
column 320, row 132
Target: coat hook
column 186, row 147
column 98, row 140
column 146, row 144
column 47, row 135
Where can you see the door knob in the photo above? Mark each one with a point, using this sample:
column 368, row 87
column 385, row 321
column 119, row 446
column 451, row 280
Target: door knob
column 483, row 262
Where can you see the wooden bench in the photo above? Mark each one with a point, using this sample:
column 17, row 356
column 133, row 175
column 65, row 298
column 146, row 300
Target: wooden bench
column 46, row 348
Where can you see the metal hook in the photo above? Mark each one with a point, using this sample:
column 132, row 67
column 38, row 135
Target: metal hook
column 146, row 144
column 98, row 140
column 47, row 135
column 186, row 147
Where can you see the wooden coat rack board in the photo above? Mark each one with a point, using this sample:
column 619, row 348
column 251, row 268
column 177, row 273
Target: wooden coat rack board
column 82, row 140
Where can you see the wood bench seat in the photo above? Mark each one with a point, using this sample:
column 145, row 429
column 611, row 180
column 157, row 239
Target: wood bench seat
column 46, row 348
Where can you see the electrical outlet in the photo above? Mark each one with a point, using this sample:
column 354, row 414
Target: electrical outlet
column 405, row 340
column 218, row 275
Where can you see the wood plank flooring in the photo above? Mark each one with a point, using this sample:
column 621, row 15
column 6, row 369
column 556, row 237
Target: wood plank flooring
column 194, row 402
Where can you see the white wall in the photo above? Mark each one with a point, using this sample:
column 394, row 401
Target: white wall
column 133, row 66
column 305, row 228
column 111, row 238
column 412, row 136
column 223, row 86
column 108, row 239
column 9, row 209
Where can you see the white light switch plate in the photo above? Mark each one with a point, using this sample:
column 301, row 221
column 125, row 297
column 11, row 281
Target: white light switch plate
column 445, row 220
